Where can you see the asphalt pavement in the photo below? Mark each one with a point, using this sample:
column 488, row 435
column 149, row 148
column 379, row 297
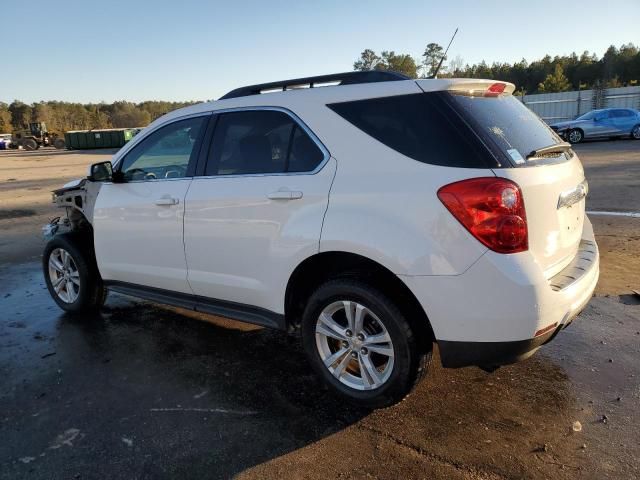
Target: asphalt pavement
column 144, row 391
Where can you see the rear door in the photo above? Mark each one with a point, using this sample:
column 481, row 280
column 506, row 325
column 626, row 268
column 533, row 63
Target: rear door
column 138, row 221
column 624, row 120
column 257, row 209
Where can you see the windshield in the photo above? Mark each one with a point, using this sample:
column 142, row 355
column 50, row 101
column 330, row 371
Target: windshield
column 589, row 116
column 512, row 128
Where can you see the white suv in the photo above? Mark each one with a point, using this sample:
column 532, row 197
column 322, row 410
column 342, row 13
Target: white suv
column 376, row 216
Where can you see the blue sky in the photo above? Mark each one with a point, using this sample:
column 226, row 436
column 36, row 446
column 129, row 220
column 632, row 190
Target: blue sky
column 89, row 51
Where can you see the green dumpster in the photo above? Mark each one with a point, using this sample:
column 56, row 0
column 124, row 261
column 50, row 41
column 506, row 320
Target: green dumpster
column 93, row 139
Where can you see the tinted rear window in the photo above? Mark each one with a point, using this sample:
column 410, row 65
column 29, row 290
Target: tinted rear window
column 514, row 129
column 421, row 126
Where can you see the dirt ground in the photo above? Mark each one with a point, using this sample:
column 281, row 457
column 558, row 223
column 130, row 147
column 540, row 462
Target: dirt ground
column 26, row 182
column 142, row 391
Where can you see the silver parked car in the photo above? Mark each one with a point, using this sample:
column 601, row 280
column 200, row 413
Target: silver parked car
column 604, row 123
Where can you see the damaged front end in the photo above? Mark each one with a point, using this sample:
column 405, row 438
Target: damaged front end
column 78, row 198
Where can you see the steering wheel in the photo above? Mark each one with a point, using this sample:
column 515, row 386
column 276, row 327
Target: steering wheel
column 175, row 171
column 135, row 174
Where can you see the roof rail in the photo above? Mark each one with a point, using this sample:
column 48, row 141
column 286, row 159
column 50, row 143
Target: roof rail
column 347, row 78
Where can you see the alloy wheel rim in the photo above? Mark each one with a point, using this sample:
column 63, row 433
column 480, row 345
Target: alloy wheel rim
column 636, row 132
column 64, row 275
column 575, row 136
column 354, row 345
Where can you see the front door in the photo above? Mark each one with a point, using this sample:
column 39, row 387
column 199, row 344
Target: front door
column 138, row 221
column 603, row 124
column 257, row 211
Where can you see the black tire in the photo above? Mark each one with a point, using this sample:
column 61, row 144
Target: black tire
column 91, row 293
column 58, row 143
column 635, row 132
column 410, row 364
column 30, row 144
column 575, row 136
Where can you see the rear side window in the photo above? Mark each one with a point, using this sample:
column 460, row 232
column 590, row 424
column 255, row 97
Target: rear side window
column 421, row 126
column 261, row 142
column 622, row 113
column 304, row 154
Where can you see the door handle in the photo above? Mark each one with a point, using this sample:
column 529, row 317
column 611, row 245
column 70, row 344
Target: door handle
column 284, row 195
column 167, row 200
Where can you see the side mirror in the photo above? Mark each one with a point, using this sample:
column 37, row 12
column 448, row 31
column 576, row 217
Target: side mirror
column 100, row 172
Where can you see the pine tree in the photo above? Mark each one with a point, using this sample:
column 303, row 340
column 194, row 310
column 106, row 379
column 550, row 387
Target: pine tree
column 555, row 82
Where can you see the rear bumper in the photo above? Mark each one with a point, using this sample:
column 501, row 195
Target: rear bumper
column 502, row 309
column 490, row 354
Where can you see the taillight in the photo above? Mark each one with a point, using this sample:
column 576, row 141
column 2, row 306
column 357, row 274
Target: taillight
column 492, row 209
column 495, row 90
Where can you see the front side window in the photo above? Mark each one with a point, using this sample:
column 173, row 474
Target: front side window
column 261, row 142
column 589, row 115
column 165, row 153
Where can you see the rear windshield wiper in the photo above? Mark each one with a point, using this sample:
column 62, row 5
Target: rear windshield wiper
column 555, row 148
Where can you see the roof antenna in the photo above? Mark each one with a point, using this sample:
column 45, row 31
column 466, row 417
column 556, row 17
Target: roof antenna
column 435, row 74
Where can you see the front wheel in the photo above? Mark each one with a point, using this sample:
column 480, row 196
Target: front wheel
column 635, row 133
column 360, row 343
column 575, row 136
column 71, row 274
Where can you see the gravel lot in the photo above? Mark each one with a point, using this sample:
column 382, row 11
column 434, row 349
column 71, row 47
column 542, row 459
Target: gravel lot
column 143, row 391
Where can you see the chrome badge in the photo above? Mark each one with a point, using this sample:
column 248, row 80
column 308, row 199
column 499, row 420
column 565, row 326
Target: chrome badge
column 574, row 195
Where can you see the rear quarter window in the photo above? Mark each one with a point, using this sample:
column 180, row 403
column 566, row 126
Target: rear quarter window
column 421, row 126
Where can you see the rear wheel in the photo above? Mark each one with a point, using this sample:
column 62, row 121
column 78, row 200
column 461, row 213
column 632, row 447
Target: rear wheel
column 59, row 143
column 71, row 274
column 635, row 133
column 30, row 144
column 360, row 343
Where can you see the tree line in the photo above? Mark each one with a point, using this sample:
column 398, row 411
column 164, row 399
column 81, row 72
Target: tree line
column 616, row 68
column 64, row 116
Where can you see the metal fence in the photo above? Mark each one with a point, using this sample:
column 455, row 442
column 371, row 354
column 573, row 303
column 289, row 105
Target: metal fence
column 555, row 107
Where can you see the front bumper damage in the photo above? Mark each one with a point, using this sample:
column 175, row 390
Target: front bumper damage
column 78, row 198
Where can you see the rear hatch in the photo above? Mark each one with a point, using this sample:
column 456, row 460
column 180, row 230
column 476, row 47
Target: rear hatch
column 529, row 153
